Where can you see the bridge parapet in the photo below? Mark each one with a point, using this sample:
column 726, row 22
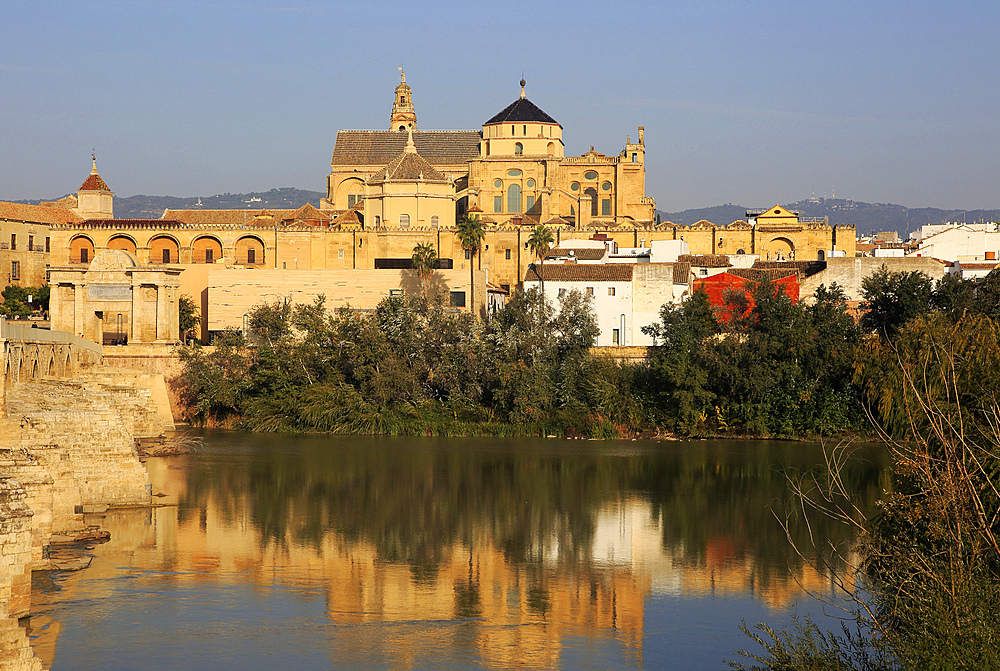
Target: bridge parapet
column 28, row 353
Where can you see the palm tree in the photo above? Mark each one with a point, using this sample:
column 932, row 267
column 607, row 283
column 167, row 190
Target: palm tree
column 424, row 260
column 471, row 232
column 539, row 242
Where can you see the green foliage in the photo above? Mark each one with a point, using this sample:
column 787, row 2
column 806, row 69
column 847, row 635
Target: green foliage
column 778, row 368
column 892, row 299
column 928, row 584
column 471, row 232
column 425, row 260
column 188, row 316
column 539, row 242
column 409, row 368
column 15, row 300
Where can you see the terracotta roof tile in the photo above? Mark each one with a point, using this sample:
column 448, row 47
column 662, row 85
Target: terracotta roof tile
column 571, row 272
column 682, row 273
column 582, row 254
column 807, row 268
column 228, row 217
column 37, row 214
column 762, row 273
column 378, row 147
column 93, row 183
column 706, row 260
column 408, row 167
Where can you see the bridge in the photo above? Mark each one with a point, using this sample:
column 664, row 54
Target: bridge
column 27, row 354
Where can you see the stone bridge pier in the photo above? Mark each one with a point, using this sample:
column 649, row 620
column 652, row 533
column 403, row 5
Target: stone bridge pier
column 68, row 430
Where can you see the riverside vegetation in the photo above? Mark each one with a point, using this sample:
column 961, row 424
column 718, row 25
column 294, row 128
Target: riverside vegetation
column 922, row 584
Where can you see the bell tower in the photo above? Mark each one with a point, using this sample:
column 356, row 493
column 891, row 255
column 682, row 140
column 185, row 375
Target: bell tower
column 403, row 116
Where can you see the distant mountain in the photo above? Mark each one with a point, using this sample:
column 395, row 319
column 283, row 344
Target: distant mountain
column 152, row 207
column 866, row 217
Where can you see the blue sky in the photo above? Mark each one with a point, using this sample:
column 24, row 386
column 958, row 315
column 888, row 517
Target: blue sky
column 746, row 102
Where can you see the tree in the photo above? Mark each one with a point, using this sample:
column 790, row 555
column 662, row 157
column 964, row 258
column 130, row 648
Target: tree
column 892, row 299
column 188, row 316
column 471, row 232
column 539, row 242
column 424, row 262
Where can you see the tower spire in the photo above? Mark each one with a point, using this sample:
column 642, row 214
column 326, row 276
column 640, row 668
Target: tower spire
column 403, row 116
column 522, row 83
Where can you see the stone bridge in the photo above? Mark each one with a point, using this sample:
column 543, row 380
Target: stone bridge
column 30, row 353
column 68, row 431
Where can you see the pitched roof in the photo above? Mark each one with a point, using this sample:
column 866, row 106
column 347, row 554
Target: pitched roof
column 408, row 166
column 37, row 214
column 571, row 272
column 581, row 254
column 706, row 260
column 807, row 268
column 762, row 273
column 93, row 183
column 228, row 217
column 682, row 273
column 521, row 110
column 378, row 147
column 308, row 212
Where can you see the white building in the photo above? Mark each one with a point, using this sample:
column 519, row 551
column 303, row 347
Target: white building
column 966, row 242
column 626, row 297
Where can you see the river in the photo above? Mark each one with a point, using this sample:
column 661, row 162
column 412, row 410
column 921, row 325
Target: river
column 424, row 553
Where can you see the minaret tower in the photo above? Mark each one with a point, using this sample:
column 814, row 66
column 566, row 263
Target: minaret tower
column 403, row 116
column 94, row 198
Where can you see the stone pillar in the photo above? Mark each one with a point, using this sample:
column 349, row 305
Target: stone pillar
column 162, row 320
column 78, row 302
column 15, row 549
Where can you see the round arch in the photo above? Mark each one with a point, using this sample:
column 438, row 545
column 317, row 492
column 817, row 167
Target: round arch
column 206, row 249
column 349, row 192
column 778, row 249
column 122, row 242
column 81, row 249
column 164, row 249
column 250, row 250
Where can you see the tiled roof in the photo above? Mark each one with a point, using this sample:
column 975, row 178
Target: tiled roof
column 706, row 260
column 228, row 217
column 37, row 214
column 309, row 212
column 571, row 272
column 131, row 224
column 582, row 254
column 521, row 110
column 378, row 147
column 682, row 273
column 973, row 265
column 348, row 218
column 762, row 273
column 807, row 268
column 408, row 166
column 93, row 183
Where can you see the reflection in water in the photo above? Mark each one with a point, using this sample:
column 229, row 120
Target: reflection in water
column 444, row 553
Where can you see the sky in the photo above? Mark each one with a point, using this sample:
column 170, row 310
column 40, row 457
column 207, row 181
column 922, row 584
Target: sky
column 744, row 102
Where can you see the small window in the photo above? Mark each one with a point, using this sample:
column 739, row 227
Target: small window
column 13, row 241
column 352, row 200
column 590, row 291
column 606, row 186
column 635, row 158
column 210, row 255
column 703, row 271
column 251, row 256
column 590, row 174
column 740, row 251
column 506, row 254
column 512, row 173
column 340, row 253
column 611, row 291
column 498, row 183
column 574, row 186
column 518, row 148
column 378, row 220
column 524, row 130
column 31, row 243
column 530, row 184
column 15, row 270
column 47, row 241
column 458, row 299
column 395, row 292
column 606, row 207
column 498, row 203
column 166, row 255
column 435, row 221
column 468, row 254
column 529, row 203
column 562, row 292
column 615, row 336
column 404, row 221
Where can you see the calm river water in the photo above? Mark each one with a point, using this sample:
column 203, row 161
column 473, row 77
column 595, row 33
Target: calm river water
column 403, row 553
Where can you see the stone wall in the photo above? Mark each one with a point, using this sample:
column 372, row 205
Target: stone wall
column 849, row 273
column 15, row 550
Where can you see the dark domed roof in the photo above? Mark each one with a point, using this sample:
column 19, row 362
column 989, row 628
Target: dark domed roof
column 522, row 110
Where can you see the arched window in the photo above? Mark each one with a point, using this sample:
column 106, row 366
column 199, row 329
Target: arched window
column 592, row 192
column 551, row 149
column 81, row 250
column 206, row 249
column 514, row 198
column 518, row 148
column 123, row 243
column 163, row 250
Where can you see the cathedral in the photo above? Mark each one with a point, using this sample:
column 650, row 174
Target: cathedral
column 514, row 170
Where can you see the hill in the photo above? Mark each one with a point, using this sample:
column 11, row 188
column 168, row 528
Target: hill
column 866, row 217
